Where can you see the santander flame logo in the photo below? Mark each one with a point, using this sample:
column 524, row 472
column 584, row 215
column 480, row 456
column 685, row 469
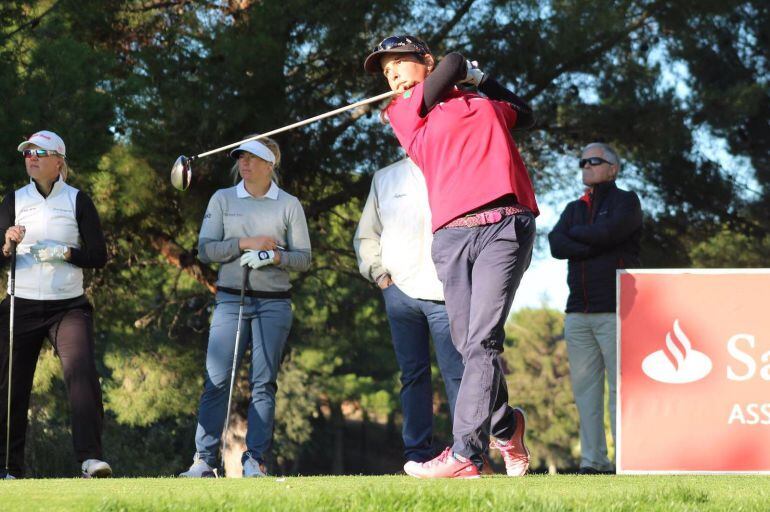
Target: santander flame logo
column 679, row 363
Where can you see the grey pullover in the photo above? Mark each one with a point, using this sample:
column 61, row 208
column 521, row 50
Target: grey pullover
column 233, row 213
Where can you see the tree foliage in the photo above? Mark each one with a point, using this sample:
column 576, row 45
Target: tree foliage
column 538, row 381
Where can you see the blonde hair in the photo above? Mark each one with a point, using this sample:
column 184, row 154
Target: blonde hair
column 274, row 148
column 64, row 170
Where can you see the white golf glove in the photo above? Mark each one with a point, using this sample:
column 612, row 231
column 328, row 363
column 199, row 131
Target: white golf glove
column 48, row 251
column 474, row 76
column 257, row 259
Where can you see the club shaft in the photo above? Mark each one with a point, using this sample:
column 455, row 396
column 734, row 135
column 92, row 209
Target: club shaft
column 303, row 123
column 12, row 290
column 235, row 362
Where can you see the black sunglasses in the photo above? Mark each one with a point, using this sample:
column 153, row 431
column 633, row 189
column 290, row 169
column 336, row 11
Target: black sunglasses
column 40, row 153
column 396, row 41
column 593, row 161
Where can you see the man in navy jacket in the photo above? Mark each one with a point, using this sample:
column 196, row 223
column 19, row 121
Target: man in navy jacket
column 598, row 233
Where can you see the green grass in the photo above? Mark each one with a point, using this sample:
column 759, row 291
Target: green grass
column 532, row 493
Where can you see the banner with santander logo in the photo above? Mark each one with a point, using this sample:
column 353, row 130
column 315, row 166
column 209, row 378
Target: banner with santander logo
column 693, row 371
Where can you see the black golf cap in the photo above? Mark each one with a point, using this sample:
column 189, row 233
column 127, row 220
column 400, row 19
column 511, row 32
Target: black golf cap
column 394, row 44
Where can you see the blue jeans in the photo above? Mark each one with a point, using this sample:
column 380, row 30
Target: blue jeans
column 412, row 323
column 266, row 325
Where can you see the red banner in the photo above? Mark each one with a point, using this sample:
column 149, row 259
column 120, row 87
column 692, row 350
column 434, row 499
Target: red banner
column 693, row 371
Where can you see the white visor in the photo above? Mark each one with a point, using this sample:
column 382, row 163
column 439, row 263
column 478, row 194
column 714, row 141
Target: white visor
column 256, row 148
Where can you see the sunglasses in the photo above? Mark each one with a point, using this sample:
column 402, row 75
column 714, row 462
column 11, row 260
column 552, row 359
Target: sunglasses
column 593, row 161
column 396, row 41
column 40, row 153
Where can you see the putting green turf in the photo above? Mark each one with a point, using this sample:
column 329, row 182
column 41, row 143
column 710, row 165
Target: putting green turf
column 534, row 492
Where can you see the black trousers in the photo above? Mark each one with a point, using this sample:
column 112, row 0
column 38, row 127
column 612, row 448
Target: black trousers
column 68, row 325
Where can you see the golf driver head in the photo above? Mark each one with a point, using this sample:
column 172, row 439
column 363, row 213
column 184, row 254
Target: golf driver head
column 181, row 173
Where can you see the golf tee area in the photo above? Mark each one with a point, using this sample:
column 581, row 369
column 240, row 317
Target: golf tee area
column 386, row 493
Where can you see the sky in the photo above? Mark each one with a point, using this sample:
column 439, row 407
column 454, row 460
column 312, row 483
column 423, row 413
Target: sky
column 545, row 282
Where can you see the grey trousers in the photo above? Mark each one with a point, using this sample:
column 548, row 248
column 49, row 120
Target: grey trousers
column 480, row 269
column 591, row 346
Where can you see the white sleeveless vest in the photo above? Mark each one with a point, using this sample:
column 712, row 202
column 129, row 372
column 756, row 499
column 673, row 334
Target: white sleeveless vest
column 51, row 219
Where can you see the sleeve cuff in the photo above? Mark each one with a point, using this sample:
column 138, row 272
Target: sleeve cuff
column 284, row 260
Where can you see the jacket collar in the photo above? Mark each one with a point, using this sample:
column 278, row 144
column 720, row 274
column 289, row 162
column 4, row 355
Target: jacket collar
column 601, row 190
column 598, row 191
column 58, row 185
column 272, row 192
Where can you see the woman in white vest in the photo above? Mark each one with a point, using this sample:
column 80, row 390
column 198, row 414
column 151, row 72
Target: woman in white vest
column 57, row 233
column 254, row 224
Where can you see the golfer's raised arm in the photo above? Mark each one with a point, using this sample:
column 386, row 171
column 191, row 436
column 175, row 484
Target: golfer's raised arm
column 491, row 88
column 448, row 72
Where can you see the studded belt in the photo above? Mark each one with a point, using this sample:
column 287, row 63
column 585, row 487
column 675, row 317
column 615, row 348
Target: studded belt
column 491, row 216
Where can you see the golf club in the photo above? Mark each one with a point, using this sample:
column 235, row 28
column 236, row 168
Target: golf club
column 235, row 362
column 12, row 293
column 181, row 172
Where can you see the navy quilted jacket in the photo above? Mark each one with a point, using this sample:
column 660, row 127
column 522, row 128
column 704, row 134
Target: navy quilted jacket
column 598, row 233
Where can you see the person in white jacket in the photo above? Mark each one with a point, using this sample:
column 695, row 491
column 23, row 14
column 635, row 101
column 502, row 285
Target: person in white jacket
column 392, row 245
column 57, row 233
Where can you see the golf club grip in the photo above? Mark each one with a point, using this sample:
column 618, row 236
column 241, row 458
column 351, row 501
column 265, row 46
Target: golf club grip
column 245, row 282
column 12, row 284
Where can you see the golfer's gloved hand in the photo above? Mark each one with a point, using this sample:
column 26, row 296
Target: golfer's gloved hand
column 48, row 251
column 257, row 259
column 474, row 76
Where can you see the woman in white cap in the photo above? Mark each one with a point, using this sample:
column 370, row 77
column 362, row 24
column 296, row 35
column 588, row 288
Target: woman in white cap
column 56, row 232
column 259, row 225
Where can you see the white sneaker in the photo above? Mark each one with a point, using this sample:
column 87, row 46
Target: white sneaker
column 95, row 468
column 199, row 469
column 252, row 468
column 411, row 467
